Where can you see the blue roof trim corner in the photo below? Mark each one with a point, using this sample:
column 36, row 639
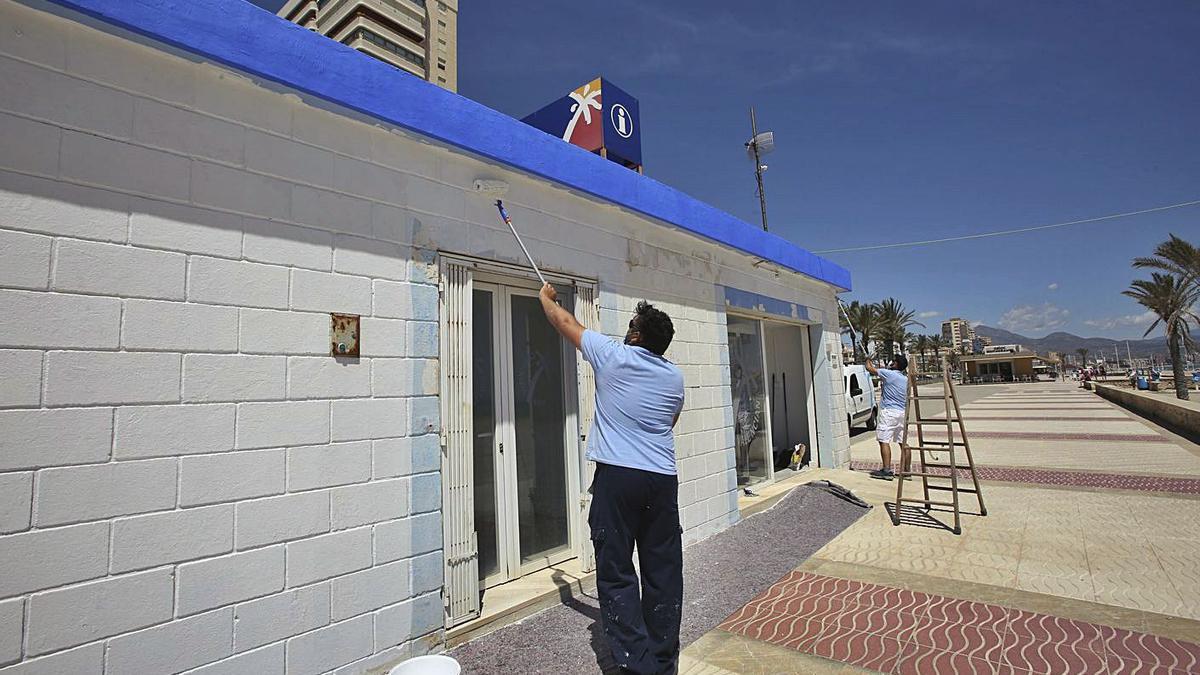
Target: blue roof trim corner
column 244, row 37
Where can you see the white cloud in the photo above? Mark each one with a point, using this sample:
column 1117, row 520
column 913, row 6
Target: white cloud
column 1142, row 320
column 1034, row 319
column 1053, row 286
column 928, row 315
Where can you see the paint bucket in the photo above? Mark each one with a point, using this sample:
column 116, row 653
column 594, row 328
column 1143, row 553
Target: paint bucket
column 434, row 664
column 1143, row 383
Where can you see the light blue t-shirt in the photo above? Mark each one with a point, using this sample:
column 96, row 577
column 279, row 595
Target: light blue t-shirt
column 638, row 395
column 894, row 385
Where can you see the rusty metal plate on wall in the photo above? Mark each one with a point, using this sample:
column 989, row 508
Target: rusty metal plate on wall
column 343, row 335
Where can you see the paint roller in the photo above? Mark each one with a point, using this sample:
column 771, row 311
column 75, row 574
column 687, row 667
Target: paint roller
column 498, row 188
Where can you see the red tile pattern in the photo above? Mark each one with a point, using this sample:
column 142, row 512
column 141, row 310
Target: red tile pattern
column 1051, row 436
column 1045, row 418
column 894, row 630
column 989, row 406
column 1012, row 474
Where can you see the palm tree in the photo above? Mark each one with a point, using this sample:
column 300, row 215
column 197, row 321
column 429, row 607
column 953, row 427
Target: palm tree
column 1082, row 352
column 847, row 328
column 920, row 345
column 865, row 317
column 937, row 344
column 1176, row 256
column 1173, row 299
column 894, row 323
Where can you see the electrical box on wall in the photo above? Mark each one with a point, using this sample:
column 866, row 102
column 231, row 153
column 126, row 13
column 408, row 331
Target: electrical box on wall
column 343, row 335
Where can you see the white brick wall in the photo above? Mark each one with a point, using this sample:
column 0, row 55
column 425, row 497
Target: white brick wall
column 78, row 614
column 217, row 582
column 187, row 479
column 173, row 647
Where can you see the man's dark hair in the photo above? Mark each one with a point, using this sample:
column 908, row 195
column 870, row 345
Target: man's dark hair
column 900, row 363
column 655, row 328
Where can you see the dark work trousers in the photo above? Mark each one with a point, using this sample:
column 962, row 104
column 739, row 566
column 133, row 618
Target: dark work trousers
column 633, row 506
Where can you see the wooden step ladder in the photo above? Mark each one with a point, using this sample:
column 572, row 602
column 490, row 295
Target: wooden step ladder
column 924, row 448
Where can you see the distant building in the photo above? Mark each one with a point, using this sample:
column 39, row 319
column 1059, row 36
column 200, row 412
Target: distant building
column 1001, row 367
column 417, row 36
column 959, row 335
column 1002, row 349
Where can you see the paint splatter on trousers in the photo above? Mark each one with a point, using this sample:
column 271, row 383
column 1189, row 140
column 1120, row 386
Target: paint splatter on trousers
column 640, row 617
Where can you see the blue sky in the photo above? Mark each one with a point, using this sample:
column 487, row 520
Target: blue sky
column 899, row 121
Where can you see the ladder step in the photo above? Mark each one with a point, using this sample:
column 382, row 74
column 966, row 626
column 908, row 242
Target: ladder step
column 959, row 444
column 936, row 420
column 928, row 397
column 947, row 488
column 942, row 466
column 918, row 474
column 927, row 501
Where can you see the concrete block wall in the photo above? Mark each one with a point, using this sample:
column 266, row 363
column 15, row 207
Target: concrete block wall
column 188, row 482
column 187, row 479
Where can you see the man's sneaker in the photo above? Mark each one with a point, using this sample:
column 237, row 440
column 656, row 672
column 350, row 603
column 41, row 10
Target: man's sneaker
column 882, row 474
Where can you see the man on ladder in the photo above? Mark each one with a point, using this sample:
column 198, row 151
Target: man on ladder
column 891, row 423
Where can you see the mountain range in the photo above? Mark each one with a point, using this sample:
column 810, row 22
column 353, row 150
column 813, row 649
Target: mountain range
column 1067, row 343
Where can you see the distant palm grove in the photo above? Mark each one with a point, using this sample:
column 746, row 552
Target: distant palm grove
column 886, row 327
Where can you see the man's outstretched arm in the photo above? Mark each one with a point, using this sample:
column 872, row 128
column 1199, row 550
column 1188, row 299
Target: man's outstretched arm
column 563, row 321
column 871, row 367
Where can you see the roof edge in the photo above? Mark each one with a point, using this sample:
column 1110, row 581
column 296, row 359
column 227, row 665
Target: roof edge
column 223, row 31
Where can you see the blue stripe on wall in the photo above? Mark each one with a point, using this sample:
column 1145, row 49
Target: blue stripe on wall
column 246, row 38
column 756, row 302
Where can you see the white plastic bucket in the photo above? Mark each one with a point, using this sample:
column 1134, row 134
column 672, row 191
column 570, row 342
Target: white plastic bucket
column 434, row 664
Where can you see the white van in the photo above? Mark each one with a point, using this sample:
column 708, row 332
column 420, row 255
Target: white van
column 860, row 396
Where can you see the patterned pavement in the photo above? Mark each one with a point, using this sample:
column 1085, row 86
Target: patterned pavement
column 1114, row 481
column 1086, row 563
column 896, row 630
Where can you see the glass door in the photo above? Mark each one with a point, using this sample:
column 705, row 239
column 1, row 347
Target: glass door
column 486, row 447
column 522, row 412
column 537, row 431
column 747, row 381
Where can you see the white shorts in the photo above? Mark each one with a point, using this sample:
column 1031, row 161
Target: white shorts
column 890, row 426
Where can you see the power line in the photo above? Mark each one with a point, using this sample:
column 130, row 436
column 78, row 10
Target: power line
column 1001, row 233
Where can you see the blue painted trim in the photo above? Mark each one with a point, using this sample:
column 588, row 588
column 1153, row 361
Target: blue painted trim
column 244, row 37
column 755, row 302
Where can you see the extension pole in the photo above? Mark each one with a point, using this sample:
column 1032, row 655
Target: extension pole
column 851, row 324
column 508, row 221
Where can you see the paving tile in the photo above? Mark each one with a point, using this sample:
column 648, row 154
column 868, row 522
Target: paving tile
column 961, row 638
column 890, row 623
column 977, row 614
column 1151, row 649
column 1119, row 666
column 1046, row 628
column 1035, row 656
column 887, row 597
column 864, row 650
column 1078, row 586
column 920, row 660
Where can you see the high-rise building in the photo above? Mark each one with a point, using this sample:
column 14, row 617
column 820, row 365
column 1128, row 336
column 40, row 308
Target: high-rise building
column 417, row 36
column 959, row 335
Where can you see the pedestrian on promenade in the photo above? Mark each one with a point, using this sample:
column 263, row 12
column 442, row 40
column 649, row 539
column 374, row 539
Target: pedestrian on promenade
column 891, row 425
column 635, row 492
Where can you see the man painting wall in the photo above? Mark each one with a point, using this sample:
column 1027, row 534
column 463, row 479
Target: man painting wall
column 892, row 422
column 635, row 493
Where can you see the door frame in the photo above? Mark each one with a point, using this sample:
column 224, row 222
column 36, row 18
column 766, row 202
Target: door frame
column 496, row 277
column 763, row 319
